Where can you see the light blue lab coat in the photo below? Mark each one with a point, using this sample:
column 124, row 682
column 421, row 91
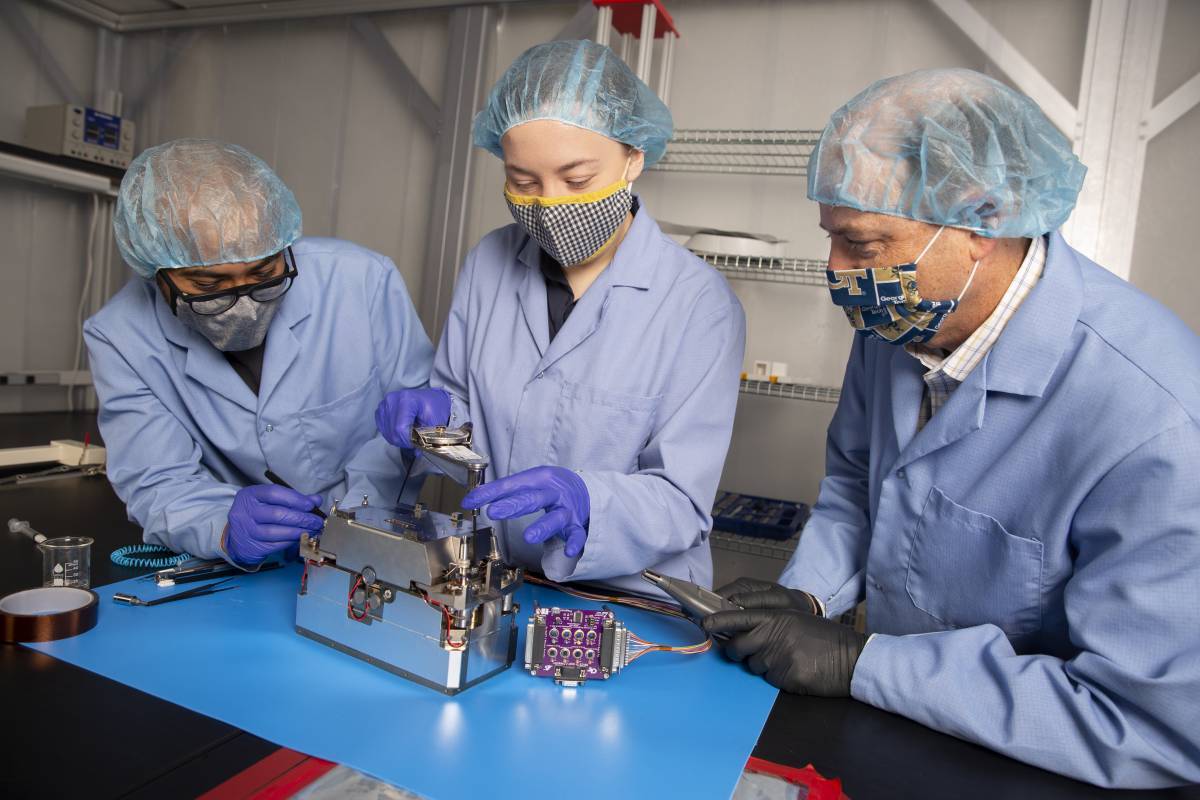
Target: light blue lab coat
column 1031, row 558
column 184, row 432
column 636, row 392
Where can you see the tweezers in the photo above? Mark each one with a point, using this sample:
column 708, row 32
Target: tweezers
column 198, row 591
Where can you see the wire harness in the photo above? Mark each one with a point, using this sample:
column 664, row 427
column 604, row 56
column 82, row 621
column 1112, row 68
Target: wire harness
column 147, row 556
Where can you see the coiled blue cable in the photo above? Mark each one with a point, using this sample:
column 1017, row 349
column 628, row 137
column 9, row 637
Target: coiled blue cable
column 166, row 557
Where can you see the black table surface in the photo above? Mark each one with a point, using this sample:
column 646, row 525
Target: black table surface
column 72, row 733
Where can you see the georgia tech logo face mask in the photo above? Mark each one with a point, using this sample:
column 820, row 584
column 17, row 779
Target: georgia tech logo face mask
column 883, row 302
column 573, row 229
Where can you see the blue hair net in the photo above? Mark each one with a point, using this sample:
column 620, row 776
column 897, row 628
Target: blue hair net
column 580, row 83
column 194, row 202
column 949, row 147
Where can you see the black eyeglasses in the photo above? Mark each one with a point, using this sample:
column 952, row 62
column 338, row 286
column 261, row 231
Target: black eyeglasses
column 219, row 302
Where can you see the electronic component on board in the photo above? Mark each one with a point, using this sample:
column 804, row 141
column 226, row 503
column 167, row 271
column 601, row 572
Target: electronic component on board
column 573, row 646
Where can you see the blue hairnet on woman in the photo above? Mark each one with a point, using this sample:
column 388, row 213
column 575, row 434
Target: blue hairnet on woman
column 578, row 83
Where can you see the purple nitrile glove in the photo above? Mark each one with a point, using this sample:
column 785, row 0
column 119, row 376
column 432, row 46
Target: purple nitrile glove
column 268, row 519
column 399, row 411
column 557, row 490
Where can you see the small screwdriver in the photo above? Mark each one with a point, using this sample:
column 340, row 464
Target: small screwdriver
column 696, row 601
column 278, row 481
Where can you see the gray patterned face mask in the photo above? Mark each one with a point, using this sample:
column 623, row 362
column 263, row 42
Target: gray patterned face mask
column 573, row 229
column 242, row 327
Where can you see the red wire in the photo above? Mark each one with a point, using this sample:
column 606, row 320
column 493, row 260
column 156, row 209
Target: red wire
column 446, row 616
column 350, row 599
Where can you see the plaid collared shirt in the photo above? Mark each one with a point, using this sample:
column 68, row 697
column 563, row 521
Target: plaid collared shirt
column 947, row 371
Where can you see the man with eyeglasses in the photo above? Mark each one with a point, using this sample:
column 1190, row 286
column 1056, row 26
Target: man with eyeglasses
column 243, row 349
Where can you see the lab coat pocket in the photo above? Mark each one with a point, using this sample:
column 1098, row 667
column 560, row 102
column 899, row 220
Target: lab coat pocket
column 334, row 431
column 965, row 569
column 596, row 429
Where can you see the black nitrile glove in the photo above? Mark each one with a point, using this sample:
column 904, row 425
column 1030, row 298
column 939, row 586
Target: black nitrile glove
column 753, row 593
column 794, row 650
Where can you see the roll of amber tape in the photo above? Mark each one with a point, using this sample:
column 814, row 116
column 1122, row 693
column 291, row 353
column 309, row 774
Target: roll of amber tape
column 46, row 614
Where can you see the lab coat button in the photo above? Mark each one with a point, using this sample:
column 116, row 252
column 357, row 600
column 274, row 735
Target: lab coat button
column 270, row 428
column 901, row 474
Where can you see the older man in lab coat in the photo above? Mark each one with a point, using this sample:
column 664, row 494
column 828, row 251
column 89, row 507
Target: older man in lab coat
column 1011, row 476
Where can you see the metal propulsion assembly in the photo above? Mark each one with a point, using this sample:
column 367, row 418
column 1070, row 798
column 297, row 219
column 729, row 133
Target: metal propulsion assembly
column 419, row 593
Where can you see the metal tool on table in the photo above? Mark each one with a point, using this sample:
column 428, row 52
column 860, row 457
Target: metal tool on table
column 696, row 601
column 197, row 591
column 419, row 593
column 202, row 569
column 73, row 459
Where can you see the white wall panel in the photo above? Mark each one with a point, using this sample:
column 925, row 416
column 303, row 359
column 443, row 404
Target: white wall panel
column 388, row 153
column 1162, row 264
column 43, row 230
column 314, row 104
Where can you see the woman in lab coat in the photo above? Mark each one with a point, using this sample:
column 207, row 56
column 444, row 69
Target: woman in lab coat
column 597, row 360
column 242, row 348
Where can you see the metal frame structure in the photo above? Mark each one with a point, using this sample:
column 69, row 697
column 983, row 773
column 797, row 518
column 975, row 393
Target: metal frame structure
column 1115, row 118
column 792, row 391
column 465, row 87
column 651, row 26
column 750, row 152
column 233, row 12
column 775, row 269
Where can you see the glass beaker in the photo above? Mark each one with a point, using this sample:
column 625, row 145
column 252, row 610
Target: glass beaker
column 67, row 561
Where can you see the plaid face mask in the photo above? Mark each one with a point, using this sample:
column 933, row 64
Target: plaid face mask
column 574, row 228
column 883, row 302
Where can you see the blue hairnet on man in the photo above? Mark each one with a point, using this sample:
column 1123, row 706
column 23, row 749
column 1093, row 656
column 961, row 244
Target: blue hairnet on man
column 243, row 348
column 1011, row 471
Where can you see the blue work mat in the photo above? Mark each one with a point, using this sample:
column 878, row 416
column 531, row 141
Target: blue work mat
column 668, row 726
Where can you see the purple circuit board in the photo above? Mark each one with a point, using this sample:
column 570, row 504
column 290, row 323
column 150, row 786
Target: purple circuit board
column 573, row 645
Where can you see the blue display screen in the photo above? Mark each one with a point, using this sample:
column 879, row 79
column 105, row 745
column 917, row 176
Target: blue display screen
column 102, row 129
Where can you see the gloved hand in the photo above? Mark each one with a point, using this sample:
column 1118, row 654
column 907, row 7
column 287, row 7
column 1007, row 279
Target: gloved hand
column 267, row 519
column 399, row 411
column 794, row 650
column 558, row 490
column 753, row 593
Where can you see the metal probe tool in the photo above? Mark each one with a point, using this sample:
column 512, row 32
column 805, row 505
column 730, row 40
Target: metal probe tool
column 696, row 601
column 199, row 591
column 278, row 481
